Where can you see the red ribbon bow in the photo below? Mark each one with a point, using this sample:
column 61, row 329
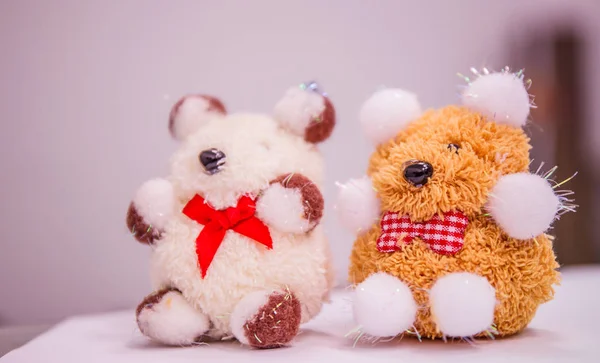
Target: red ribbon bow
column 443, row 235
column 240, row 219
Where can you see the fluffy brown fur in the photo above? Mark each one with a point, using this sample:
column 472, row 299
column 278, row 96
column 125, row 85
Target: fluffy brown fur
column 141, row 231
column 276, row 323
column 321, row 127
column 522, row 272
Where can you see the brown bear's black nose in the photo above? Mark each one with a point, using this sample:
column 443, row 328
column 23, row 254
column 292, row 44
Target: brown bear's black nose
column 418, row 173
column 212, row 160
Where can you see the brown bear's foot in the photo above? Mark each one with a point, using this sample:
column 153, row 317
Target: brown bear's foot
column 462, row 304
column 165, row 316
column 266, row 319
column 383, row 306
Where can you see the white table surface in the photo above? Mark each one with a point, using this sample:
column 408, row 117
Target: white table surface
column 564, row 330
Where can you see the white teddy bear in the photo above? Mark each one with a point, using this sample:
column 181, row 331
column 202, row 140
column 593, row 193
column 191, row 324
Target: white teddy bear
column 237, row 248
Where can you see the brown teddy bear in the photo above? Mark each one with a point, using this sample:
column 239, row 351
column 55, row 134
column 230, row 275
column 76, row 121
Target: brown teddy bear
column 450, row 222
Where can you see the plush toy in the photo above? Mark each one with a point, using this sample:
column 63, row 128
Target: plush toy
column 237, row 248
column 450, row 222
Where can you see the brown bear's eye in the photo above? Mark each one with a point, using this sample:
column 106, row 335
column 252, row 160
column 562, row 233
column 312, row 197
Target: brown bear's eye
column 454, row 147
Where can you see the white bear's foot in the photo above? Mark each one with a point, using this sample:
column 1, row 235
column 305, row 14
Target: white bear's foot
column 266, row 319
column 165, row 316
column 462, row 304
column 384, row 306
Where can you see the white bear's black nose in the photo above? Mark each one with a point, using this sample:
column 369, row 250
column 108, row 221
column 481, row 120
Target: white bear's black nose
column 418, row 173
column 212, row 160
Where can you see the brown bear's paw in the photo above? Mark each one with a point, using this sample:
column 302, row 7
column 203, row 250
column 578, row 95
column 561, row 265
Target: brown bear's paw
column 166, row 317
column 383, row 306
column 462, row 304
column 266, row 319
column 358, row 206
column 291, row 204
column 524, row 205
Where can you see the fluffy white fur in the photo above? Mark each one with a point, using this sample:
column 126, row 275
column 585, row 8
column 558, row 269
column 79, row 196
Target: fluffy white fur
column 298, row 108
column 387, row 112
column 357, row 205
column 155, row 201
column 524, row 205
column 258, row 151
column 298, row 261
column 173, row 321
column 462, row 304
column 191, row 115
column 282, row 208
column 500, row 96
column 383, row 305
column 245, row 310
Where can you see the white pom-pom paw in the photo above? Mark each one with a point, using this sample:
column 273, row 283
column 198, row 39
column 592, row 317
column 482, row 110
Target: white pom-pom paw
column 383, row 306
column 501, row 96
column 387, row 112
column 155, row 201
column 358, row 205
column 191, row 112
column 462, row 304
column 172, row 320
column 282, row 209
column 524, row 205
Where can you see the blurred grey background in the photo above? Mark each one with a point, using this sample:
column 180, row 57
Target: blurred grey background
column 86, row 87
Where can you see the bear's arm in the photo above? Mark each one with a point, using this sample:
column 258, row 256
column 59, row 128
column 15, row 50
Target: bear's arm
column 524, row 205
column 292, row 203
column 358, row 206
column 150, row 210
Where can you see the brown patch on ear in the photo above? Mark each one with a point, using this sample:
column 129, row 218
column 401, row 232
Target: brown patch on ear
column 214, row 105
column 141, row 231
column 321, row 127
column 276, row 323
column 312, row 199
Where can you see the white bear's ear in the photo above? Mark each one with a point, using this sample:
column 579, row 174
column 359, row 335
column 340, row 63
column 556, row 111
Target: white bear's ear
column 191, row 111
column 306, row 111
column 387, row 112
column 500, row 96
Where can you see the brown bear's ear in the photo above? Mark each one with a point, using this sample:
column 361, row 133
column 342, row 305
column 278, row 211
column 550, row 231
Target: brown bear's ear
column 501, row 97
column 191, row 111
column 307, row 112
column 388, row 112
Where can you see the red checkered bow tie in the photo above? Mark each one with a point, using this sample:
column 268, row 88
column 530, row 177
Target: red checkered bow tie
column 443, row 235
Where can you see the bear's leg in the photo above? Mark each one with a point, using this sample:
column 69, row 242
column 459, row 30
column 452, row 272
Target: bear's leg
column 462, row 304
column 266, row 319
column 165, row 316
column 383, row 305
